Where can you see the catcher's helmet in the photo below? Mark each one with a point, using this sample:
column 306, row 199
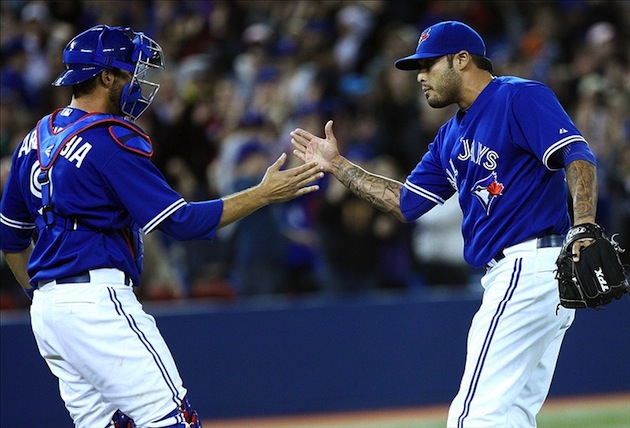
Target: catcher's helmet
column 103, row 47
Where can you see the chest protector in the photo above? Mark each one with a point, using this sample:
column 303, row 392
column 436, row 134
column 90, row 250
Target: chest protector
column 50, row 143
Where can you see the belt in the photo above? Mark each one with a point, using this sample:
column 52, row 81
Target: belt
column 85, row 277
column 546, row 241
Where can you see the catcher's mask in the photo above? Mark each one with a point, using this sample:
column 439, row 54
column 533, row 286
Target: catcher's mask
column 103, row 47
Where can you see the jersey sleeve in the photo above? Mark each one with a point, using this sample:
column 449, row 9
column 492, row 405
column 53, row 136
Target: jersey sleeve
column 144, row 192
column 427, row 186
column 542, row 126
column 16, row 222
column 195, row 220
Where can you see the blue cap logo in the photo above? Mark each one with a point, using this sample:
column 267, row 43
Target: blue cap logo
column 425, row 35
column 447, row 37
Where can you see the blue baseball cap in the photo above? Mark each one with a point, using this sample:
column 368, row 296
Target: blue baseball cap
column 443, row 38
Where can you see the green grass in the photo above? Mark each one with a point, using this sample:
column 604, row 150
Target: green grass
column 585, row 417
column 590, row 417
column 604, row 412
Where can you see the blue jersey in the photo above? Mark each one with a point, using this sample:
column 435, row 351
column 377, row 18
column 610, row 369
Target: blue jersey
column 104, row 191
column 499, row 156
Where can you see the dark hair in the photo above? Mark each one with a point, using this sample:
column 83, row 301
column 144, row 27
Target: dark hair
column 481, row 62
column 84, row 88
column 87, row 86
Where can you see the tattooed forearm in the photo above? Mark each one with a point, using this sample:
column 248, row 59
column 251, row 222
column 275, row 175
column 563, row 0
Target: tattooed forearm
column 382, row 192
column 582, row 182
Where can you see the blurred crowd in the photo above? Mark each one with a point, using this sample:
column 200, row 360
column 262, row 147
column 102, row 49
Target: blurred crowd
column 240, row 75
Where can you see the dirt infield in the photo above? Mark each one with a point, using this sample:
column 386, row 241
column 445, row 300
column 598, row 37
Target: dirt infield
column 410, row 417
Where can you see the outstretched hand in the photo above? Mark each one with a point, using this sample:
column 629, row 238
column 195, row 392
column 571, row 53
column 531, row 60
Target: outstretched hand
column 282, row 185
column 276, row 186
column 311, row 148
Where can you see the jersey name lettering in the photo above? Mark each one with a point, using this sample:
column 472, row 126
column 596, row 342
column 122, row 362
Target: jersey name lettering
column 28, row 143
column 73, row 152
column 479, row 154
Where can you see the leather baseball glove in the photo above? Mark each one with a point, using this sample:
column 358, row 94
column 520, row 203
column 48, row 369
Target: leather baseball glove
column 598, row 277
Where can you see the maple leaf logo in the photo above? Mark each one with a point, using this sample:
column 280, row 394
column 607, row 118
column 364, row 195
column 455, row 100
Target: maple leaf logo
column 487, row 190
column 495, row 188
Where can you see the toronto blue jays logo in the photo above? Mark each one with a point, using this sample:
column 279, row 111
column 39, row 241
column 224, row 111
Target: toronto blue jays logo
column 487, row 190
column 425, row 35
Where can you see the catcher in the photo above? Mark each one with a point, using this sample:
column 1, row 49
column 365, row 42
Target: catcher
column 82, row 181
column 590, row 273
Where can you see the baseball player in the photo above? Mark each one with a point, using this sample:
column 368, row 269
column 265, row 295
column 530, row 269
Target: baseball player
column 509, row 153
column 81, row 192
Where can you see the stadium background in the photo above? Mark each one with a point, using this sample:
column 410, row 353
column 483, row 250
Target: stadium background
column 321, row 304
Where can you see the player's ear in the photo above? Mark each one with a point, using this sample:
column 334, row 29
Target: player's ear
column 462, row 59
column 106, row 78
